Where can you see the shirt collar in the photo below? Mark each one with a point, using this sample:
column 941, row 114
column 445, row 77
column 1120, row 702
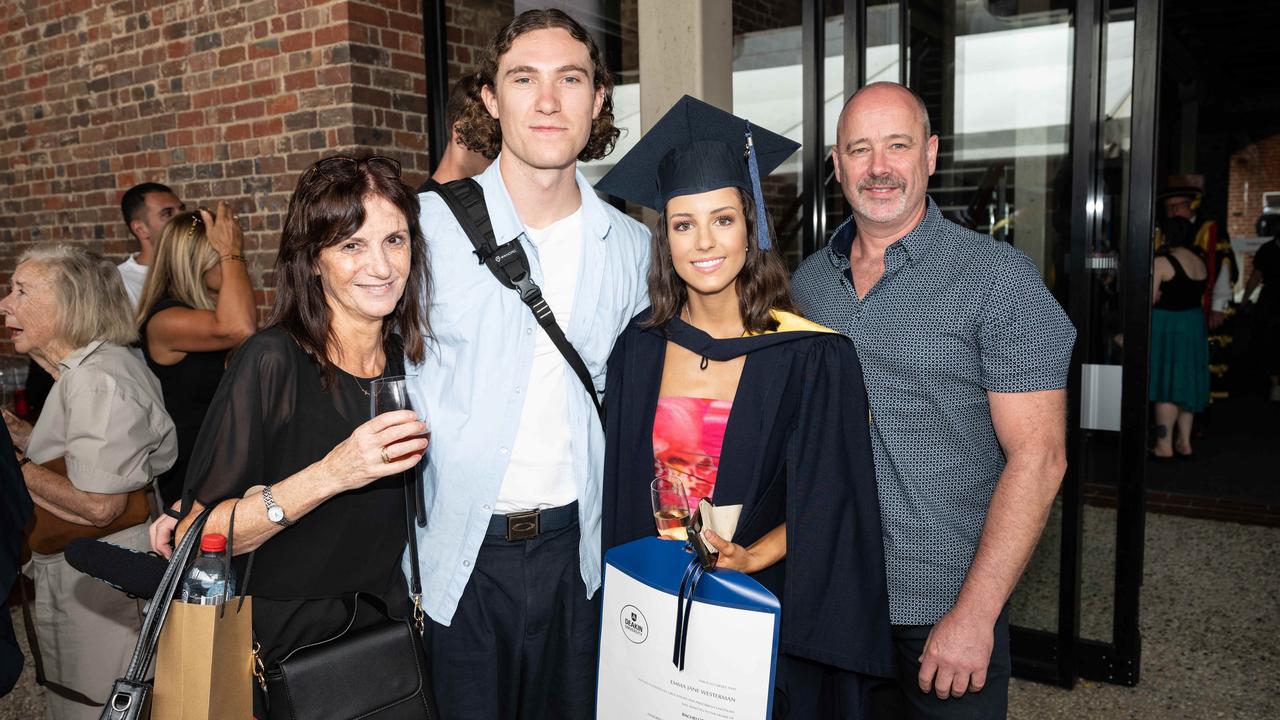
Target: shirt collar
column 507, row 224
column 76, row 357
column 914, row 243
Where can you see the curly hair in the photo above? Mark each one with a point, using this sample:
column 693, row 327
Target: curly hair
column 480, row 132
column 763, row 283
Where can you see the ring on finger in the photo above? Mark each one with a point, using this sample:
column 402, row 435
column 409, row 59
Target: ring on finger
column 385, row 460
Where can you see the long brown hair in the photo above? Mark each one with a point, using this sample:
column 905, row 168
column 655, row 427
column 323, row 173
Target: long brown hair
column 480, row 132
column 326, row 208
column 763, row 283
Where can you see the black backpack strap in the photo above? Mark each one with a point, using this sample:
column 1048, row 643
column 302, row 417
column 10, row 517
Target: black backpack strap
column 510, row 266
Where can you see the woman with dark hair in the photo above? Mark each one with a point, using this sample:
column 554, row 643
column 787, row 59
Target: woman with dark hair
column 287, row 445
column 1179, row 384
column 722, row 387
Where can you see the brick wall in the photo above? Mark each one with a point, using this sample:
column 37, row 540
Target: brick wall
column 1258, row 165
column 471, row 24
column 219, row 99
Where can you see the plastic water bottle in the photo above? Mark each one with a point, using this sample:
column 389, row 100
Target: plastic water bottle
column 205, row 583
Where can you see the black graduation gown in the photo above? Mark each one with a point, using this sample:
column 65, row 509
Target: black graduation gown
column 796, row 448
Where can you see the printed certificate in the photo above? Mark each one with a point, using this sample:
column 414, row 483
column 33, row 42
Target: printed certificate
column 731, row 651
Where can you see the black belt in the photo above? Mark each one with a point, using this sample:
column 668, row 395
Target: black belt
column 531, row 524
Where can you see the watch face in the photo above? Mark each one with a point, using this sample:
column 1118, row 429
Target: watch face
column 275, row 514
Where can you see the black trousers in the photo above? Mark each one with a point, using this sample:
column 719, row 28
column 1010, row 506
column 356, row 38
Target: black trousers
column 524, row 640
column 903, row 699
column 808, row 690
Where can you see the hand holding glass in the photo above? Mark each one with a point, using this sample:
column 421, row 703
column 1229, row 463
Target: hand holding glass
column 670, row 507
column 391, row 393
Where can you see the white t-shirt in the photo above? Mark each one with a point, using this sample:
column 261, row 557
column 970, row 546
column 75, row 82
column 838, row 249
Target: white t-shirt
column 134, row 277
column 540, row 472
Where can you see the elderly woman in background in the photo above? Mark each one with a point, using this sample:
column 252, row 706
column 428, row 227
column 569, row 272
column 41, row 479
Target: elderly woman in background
column 317, row 486
column 196, row 305
column 102, row 437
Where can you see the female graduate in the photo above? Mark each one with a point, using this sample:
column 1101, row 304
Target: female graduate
column 723, row 386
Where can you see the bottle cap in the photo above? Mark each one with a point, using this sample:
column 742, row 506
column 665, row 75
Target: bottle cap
column 213, row 542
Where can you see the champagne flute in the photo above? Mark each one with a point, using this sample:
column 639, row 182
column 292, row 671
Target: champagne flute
column 670, row 506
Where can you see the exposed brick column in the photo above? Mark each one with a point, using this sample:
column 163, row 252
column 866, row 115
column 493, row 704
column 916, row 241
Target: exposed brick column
column 220, row 99
column 1255, row 170
column 470, row 26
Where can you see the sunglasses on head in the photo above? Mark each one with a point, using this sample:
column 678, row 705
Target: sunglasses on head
column 337, row 167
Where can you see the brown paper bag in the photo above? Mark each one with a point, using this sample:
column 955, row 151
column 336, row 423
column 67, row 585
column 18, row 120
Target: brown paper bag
column 204, row 664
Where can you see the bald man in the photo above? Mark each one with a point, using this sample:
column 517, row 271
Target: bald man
column 965, row 354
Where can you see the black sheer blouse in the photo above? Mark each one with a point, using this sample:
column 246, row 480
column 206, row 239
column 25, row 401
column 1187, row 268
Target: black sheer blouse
column 271, row 418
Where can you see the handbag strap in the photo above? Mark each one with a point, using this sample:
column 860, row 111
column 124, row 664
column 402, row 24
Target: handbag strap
column 158, row 609
column 415, row 579
column 510, row 265
column 33, row 643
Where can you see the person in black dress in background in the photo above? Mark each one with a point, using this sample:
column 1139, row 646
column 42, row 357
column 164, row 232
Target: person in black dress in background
column 196, row 305
column 289, row 427
column 1178, row 383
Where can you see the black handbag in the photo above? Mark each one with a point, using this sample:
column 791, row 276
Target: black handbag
column 377, row 671
column 130, row 697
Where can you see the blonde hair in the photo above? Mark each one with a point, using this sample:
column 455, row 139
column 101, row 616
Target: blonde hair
column 183, row 256
column 89, row 295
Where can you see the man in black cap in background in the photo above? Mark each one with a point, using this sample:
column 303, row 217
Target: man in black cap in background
column 1184, row 197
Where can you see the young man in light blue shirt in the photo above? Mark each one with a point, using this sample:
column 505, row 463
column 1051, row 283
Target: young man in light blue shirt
column 513, row 600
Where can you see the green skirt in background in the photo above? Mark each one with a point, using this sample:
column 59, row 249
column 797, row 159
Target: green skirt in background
column 1179, row 359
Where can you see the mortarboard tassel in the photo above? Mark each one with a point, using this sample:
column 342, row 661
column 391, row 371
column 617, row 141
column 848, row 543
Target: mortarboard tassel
column 762, row 222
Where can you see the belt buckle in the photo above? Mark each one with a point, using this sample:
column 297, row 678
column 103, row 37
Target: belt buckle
column 522, row 525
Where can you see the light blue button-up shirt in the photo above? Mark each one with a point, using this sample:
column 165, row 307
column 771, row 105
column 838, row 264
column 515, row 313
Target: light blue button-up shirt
column 474, row 378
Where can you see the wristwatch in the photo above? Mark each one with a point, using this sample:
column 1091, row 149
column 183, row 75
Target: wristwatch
column 275, row 513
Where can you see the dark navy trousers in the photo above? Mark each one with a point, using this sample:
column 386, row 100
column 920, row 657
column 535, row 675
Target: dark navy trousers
column 903, row 699
column 523, row 643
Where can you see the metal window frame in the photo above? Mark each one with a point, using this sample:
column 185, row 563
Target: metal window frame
column 435, row 46
column 812, row 175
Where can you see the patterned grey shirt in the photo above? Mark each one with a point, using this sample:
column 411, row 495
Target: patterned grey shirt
column 956, row 314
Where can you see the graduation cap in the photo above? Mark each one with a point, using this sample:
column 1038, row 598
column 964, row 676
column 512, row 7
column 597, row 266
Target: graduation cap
column 696, row 148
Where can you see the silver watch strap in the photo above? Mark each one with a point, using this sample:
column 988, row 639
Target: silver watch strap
column 270, row 502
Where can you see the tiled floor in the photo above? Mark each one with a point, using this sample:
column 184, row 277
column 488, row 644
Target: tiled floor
column 1210, row 622
column 1210, row 625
